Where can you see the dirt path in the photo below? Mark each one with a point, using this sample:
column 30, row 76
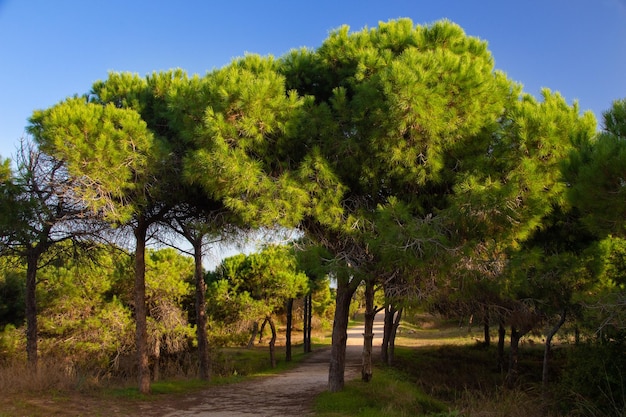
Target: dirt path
column 287, row 394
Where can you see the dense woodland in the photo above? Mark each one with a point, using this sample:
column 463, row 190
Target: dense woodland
column 413, row 171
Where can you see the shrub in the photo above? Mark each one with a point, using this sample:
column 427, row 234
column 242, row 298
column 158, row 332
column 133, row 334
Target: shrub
column 594, row 376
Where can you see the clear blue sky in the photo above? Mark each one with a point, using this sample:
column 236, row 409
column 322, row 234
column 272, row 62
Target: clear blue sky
column 52, row 49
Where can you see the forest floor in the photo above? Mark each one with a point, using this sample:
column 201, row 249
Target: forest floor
column 444, row 360
column 288, row 393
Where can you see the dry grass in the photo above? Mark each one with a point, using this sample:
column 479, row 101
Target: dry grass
column 449, row 362
column 431, row 333
column 50, row 375
column 440, row 360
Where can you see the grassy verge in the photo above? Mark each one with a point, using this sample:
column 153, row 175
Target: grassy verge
column 53, row 393
column 448, row 380
column 442, row 369
column 389, row 394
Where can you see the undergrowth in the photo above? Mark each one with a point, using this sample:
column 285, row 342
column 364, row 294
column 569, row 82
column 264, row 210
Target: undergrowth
column 389, row 394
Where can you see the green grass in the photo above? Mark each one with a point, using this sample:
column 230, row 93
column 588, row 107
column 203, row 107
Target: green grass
column 233, row 365
column 166, row 387
column 389, row 394
column 441, row 370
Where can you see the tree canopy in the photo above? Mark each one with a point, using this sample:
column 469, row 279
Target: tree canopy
column 399, row 151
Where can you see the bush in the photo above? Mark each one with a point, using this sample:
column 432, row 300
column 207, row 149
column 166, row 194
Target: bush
column 12, row 344
column 594, row 376
column 12, row 296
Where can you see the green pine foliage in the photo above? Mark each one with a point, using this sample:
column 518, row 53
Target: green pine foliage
column 595, row 171
column 12, row 292
column 399, row 151
column 85, row 314
column 115, row 142
column 246, row 289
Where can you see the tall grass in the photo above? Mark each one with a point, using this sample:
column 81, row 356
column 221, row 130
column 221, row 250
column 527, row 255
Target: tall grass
column 18, row 377
column 57, row 387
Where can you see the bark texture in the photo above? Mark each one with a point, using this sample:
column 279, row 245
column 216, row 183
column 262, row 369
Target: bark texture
column 288, row 331
column 141, row 334
column 201, row 319
column 308, row 315
column 368, row 333
column 548, row 348
column 336, row 378
column 272, row 342
column 390, row 329
column 31, row 310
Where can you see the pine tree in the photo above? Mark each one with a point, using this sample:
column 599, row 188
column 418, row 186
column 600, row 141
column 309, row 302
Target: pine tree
column 396, row 110
column 118, row 162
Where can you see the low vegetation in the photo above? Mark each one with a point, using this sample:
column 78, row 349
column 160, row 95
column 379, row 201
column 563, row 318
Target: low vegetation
column 443, row 369
column 53, row 391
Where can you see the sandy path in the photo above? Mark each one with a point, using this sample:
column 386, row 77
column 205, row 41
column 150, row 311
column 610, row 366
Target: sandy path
column 287, row 394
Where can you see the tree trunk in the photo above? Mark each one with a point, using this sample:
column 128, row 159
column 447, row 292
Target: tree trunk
column 32, row 260
column 141, row 334
column 288, row 331
column 201, row 319
column 392, row 340
column 548, row 348
column 255, row 331
column 512, row 374
column 486, row 330
column 272, row 341
column 156, row 371
column 305, row 324
column 501, row 336
column 262, row 330
column 387, row 329
column 340, row 335
column 368, row 333
column 308, row 316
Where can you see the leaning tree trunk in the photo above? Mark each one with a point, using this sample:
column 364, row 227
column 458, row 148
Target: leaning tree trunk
column 288, row 331
column 31, row 309
column 262, row 330
column 392, row 339
column 255, row 331
column 201, row 319
column 141, row 334
column 548, row 348
column 368, row 333
column 272, row 341
column 337, row 367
